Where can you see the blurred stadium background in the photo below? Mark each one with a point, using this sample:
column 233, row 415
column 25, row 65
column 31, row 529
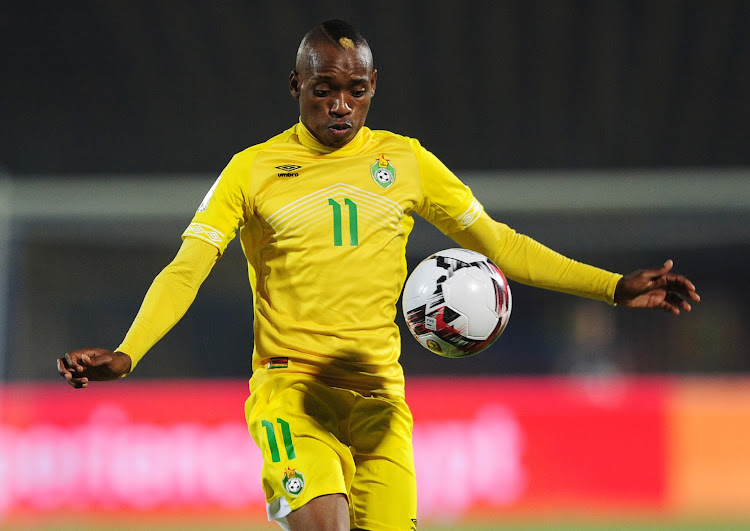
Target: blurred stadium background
column 615, row 132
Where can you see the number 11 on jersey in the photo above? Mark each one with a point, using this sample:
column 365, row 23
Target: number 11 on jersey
column 286, row 435
column 337, row 230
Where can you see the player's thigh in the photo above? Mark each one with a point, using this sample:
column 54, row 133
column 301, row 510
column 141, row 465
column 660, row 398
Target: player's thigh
column 383, row 493
column 302, row 459
column 330, row 512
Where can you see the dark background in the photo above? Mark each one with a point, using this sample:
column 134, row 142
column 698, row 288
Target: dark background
column 181, row 85
column 94, row 88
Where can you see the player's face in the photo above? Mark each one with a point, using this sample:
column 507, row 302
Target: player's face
column 334, row 87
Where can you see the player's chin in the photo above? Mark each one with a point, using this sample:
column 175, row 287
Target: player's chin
column 339, row 137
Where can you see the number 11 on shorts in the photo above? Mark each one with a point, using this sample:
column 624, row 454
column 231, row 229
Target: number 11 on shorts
column 286, row 435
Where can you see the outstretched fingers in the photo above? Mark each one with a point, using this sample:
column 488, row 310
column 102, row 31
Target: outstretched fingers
column 681, row 285
column 674, row 303
column 657, row 288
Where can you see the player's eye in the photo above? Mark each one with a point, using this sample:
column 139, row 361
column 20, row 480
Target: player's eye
column 321, row 93
column 358, row 93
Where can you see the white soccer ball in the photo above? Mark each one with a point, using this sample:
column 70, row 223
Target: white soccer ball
column 456, row 303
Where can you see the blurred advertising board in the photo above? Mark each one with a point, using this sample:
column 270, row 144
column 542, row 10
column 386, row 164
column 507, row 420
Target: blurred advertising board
column 484, row 447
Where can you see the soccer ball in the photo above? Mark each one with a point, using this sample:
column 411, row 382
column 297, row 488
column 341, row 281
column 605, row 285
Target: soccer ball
column 456, row 303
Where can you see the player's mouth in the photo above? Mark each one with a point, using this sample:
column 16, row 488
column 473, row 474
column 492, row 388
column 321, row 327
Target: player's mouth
column 340, row 129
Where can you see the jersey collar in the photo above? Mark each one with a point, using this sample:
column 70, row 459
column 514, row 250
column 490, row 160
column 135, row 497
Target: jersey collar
column 307, row 139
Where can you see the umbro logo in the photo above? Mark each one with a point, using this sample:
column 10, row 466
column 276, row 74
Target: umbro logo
column 288, row 170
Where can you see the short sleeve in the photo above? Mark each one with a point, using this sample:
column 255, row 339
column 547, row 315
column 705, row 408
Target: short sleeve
column 223, row 209
column 447, row 202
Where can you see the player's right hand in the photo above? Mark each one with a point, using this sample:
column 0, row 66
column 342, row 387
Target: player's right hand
column 79, row 367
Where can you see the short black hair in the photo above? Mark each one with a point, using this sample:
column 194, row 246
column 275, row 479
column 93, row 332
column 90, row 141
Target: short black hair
column 337, row 29
column 333, row 31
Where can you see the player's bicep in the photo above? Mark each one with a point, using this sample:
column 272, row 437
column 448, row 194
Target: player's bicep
column 516, row 254
column 447, row 202
column 223, row 209
column 484, row 235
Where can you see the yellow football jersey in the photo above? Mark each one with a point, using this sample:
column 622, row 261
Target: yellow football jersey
column 324, row 232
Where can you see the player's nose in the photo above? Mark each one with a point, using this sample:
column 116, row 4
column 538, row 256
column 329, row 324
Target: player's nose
column 340, row 106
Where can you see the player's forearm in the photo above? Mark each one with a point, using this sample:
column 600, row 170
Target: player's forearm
column 532, row 263
column 169, row 297
column 527, row 261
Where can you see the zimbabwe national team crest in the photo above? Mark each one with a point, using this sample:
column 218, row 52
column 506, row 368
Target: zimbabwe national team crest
column 293, row 481
column 383, row 172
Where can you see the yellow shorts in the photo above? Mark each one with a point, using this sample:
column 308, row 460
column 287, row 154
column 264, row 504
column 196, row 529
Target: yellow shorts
column 319, row 440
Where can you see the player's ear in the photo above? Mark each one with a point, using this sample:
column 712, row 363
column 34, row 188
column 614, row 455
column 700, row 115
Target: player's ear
column 294, row 84
column 373, row 80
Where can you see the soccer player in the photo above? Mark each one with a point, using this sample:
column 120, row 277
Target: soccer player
column 324, row 210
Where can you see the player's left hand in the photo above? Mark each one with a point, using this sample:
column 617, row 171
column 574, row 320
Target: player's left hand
column 656, row 288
